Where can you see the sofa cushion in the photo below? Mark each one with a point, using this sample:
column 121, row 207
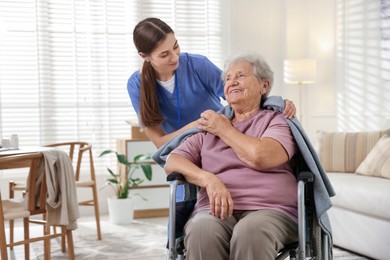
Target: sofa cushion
column 364, row 194
column 344, row 151
column 377, row 162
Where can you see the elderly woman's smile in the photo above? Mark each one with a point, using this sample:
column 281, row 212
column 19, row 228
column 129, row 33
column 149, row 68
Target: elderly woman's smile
column 235, row 90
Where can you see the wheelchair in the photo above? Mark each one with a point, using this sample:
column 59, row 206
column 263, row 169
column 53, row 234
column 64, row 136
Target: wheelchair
column 312, row 243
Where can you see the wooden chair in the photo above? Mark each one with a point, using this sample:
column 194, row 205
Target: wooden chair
column 36, row 205
column 75, row 150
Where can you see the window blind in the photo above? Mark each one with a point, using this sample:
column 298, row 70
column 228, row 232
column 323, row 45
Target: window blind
column 364, row 56
column 64, row 65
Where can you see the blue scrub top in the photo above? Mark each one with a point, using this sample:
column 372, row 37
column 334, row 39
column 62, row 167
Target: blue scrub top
column 198, row 87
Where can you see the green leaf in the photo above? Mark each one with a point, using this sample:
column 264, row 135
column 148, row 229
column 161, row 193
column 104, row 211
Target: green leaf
column 135, row 182
column 122, row 159
column 106, row 152
column 147, row 169
column 112, row 173
column 142, row 158
column 125, row 192
column 114, row 181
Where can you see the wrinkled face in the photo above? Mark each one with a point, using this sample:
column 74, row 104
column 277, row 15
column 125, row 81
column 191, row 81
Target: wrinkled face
column 242, row 86
column 165, row 58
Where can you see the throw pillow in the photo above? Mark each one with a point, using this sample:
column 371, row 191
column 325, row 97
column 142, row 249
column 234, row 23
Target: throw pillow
column 344, row 151
column 377, row 162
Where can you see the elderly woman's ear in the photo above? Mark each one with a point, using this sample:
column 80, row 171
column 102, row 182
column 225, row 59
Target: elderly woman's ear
column 264, row 87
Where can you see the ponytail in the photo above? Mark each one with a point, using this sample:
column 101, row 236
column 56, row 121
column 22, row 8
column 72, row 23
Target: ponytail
column 149, row 110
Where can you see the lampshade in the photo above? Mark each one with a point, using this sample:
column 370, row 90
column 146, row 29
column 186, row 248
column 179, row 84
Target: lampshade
column 300, row 71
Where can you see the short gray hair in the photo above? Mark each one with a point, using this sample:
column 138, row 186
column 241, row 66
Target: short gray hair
column 261, row 69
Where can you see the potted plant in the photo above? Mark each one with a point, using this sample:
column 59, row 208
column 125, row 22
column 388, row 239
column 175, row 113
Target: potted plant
column 122, row 201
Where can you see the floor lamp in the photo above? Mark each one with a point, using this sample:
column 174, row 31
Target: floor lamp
column 300, row 72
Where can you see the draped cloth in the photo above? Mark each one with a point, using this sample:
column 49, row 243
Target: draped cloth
column 61, row 202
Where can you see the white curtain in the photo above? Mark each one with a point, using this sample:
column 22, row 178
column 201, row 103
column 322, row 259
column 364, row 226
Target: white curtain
column 364, row 58
column 64, row 65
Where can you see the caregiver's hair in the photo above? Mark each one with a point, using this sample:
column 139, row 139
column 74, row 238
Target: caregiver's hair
column 261, row 69
column 148, row 34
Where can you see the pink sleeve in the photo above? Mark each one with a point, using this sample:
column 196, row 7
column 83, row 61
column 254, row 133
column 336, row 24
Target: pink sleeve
column 191, row 148
column 279, row 130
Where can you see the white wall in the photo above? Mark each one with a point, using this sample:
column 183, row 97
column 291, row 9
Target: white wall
column 259, row 26
column 291, row 29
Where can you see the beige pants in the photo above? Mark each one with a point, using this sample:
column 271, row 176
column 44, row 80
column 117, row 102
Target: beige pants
column 257, row 235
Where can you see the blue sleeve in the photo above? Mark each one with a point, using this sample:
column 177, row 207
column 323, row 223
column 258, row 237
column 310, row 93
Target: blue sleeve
column 210, row 75
column 133, row 88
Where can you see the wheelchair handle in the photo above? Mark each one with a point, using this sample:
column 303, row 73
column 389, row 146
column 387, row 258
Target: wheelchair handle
column 305, row 177
column 174, row 176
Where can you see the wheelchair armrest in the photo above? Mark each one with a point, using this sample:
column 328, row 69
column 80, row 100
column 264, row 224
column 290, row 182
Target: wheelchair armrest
column 175, row 176
column 305, row 177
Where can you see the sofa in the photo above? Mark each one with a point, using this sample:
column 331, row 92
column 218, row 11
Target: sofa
column 358, row 166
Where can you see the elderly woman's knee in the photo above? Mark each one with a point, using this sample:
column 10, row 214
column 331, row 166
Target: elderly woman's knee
column 205, row 225
column 245, row 233
column 248, row 241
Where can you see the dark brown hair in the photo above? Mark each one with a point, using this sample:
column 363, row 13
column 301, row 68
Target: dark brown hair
column 147, row 35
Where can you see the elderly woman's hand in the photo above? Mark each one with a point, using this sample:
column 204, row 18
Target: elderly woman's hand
column 213, row 122
column 221, row 202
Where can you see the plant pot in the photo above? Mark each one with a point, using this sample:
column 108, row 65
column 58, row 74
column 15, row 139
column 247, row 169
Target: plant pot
column 120, row 210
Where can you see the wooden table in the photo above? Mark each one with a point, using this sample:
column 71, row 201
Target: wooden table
column 21, row 150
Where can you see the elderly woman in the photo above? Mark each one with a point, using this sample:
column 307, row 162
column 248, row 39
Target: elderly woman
column 247, row 204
